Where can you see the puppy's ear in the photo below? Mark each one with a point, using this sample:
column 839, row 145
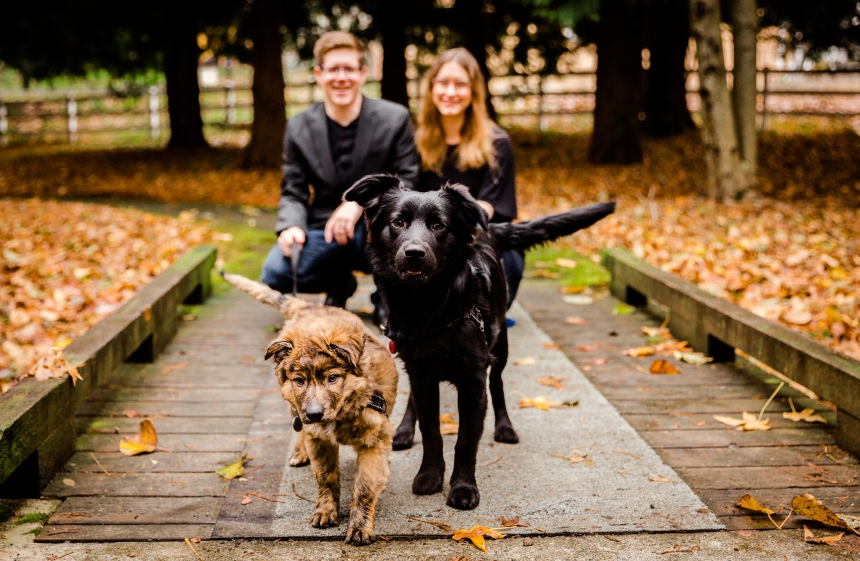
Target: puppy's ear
column 367, row 190
column 466, row 207
column 280, row 349
column 348, row 346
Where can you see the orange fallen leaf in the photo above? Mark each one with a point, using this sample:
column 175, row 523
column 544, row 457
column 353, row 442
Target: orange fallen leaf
column 747, row 422
column 173, row 367
column 551, row 345
column 656, row 332
column 132, row 413
column 551, row 381
column 750, row 503
column 600, row 361
column 699, row 423
column 809, row 506
column 513, row 522
column 809, row 537
column 145, row 441
column 447, row 424
column 659, row 479
column 246, row 499
column 805, row 415
column 476, row 535
column 640, row 351
column 661, row 366
column 54, row 365
column 544, row 403
column 575, row 320
column 587, row 348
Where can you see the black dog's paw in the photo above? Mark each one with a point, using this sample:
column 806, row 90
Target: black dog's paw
column 403, row 439
column 464, row 497
column 427, row 483
column 506, row 434
column 359, row 536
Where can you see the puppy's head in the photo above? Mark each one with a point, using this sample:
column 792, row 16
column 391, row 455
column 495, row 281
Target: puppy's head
column 414, row 236
column 318, row 369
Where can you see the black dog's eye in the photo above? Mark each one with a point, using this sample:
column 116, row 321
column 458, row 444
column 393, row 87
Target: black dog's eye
column 299, row 381
column 398, row 223
column 333, row 378
column 438, row 226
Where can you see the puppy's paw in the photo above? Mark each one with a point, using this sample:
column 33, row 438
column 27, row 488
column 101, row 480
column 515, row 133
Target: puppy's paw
column 359, row 536
column 300, row 458
column 427, row 483
column 464, row 497
column 403, row 438
column 324, row 518
column 507, row 434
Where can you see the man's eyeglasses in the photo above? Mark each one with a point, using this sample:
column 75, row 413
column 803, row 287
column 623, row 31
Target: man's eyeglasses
column 441, row 84
column 334, row 71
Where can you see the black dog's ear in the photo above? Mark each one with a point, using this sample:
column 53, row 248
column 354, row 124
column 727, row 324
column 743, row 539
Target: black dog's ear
column 367, row 190
column 280, row 349
column 466, row 206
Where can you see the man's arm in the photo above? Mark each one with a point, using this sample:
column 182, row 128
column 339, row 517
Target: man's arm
column 406, row 162
column 293, row 204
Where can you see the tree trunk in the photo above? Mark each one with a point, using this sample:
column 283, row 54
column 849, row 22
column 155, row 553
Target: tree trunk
column 616, row 137
column 474, row 35
column 725, row 178
column 270, row 119
column 744, row 29
column 668, row 29
column 180, row 72
column 391, row 25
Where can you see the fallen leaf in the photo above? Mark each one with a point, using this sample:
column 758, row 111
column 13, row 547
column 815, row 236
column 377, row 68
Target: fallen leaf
column 600, row 361
column 476, row 536
column 525, row 361
column 551, row 346
column 444, row 526
column 173, row 367
column 656, row 332
column 808, row 537
column 575, row 320
column 670, row 347
column 145, row 441
column 575, row 289
column 587, row 348
column 850, row 519
column 699, row 423
column 54, row 365
column 622, row 309
column 513, row 522
column 660, row 366
column 246, row 499
column 659, row 479
column 578, row 299
column 544, row 403
column 692, row 358
column 640, row 351
column 551, row 381
column 69, row 482
column 747, row 422
column 811, row 507
column 447, row 424
column 565, row 263
column 750, row 503
column 233, row 470
column 131, row 413
column 805, row 415
column 542, row 273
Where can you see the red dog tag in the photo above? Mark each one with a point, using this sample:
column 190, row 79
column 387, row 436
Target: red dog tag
column 391, row 347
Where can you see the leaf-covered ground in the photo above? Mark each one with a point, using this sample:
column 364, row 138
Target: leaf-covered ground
column 790, row 254
column 65, row 265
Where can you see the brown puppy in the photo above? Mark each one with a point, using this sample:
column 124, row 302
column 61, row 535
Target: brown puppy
column 341, row 384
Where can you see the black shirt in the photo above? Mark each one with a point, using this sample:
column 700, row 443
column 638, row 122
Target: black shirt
column 496, row 186
column 341, row 141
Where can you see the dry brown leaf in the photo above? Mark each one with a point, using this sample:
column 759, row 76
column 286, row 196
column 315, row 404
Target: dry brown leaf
column 476, row 535
column 809, row 537
column 692, row 358
column 544, row 403
column 444, row 526
column 670, row 347
column 575, row 320
column 659, row 479
column 656, row 332
column 565, row 263
column 750, row 503
column 145, row 441
column 600, row 361
column 747, row 422
column 447, row 424
column 551, row 345
column 173, row 367
column 805, row 415
column 811, row 507
column 587, row 348
column 551, row 381
column 54, row 365
column 660, row 366
column 246, row 499
column 524, row 361
column 640, row 351
column 513, row 522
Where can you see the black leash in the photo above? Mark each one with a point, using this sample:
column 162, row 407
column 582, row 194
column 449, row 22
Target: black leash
column 294, row 260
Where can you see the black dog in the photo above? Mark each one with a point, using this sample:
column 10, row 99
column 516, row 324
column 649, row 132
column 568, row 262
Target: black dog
column 436, row 263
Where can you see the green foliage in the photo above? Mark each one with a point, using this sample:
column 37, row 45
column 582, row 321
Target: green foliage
column 34, row 518
column 245, row 253
column 586, row 272
column 566, row 12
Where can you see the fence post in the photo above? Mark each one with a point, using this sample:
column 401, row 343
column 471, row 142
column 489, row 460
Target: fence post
column 72, row 110
column 154, row 113
column 764, row 102
column 231, row 101
column 4, row 125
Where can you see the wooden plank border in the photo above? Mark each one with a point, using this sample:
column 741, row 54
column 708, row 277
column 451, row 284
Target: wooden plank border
column 37, row 433
column 718, row 327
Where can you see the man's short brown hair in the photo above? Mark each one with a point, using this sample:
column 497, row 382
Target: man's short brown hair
column 338, row 40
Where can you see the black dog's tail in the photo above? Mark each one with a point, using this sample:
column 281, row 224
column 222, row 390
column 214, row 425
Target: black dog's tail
column 523, row 235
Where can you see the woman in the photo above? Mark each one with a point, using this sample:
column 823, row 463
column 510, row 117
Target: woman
column 458, row 143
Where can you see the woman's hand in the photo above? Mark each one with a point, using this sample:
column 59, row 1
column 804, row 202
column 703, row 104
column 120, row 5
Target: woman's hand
column 341, row 225
column 488, row 208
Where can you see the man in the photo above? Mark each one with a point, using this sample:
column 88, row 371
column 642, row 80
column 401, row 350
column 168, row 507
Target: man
column 326, row 149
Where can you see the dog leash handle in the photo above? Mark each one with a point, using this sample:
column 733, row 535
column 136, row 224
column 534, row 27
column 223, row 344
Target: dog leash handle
column 294, row 260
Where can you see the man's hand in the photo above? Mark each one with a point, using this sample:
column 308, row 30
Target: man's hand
column 341, row 225
column 288, row 237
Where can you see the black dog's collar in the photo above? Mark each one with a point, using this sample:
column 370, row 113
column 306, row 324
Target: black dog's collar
column 378, row 403
column 474, row 314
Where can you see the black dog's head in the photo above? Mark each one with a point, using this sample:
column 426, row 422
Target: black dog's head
column 415, row 236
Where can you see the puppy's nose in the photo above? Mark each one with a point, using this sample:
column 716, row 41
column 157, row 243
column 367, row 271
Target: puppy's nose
column 314, row 413
column 415, row 252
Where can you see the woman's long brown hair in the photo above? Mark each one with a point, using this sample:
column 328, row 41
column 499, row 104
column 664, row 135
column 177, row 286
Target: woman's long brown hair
column 476, row 145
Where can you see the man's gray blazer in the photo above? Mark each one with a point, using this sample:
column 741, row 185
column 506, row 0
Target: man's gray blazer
column 384, row 143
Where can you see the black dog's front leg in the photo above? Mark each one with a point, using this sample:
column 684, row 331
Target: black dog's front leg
column 432, row 470
column 472, row 407
column 404, row 437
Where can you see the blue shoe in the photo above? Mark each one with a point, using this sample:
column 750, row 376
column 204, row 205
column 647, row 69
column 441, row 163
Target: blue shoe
column 509, row 323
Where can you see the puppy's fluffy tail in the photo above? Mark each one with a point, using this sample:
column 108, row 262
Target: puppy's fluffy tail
column 523, row 235
column 258, row 291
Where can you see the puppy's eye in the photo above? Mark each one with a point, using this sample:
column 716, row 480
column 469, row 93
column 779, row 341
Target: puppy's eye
column 398, row 223
column 299, row 381
column 333, row 379
column 437, row 226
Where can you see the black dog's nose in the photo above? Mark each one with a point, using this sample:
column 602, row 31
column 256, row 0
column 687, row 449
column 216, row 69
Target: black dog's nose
column 314, row 414
column 415, row 252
